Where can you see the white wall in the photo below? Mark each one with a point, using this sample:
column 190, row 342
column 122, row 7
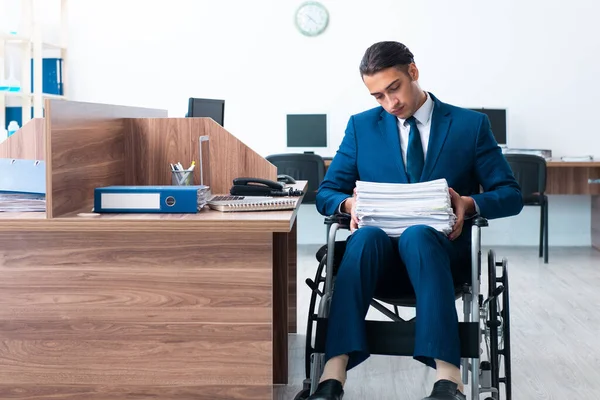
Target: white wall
column 537, row 58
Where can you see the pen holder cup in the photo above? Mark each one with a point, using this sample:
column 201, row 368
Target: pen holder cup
column 182, row 178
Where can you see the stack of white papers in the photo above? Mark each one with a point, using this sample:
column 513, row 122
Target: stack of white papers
column 203, row 195
column 394, row 207
column 22, row 202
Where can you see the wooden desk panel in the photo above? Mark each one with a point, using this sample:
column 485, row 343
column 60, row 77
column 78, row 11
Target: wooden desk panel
column 107, row 314
column 572, row 177
column 292, row 279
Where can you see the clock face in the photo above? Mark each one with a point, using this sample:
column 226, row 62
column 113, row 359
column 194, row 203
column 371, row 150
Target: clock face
column 312, row 18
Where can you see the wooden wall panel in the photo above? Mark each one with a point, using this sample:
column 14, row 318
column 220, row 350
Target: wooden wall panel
column 108, row 315
column 156, row 142
column 27, row 143
column 280, row 307
column 85, row 149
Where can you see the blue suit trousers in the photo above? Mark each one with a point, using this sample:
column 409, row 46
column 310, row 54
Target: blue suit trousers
column 422, row 261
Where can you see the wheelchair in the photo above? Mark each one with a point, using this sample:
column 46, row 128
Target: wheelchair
column 484, row 332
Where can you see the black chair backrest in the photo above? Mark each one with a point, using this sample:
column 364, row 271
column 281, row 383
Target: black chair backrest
column 529, row 171
column 305, row 167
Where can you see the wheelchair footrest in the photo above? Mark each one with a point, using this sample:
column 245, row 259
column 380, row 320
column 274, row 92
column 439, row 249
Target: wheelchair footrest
column 398, row 338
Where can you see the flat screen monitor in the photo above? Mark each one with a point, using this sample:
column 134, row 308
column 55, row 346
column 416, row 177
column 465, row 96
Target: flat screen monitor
column 497, row 119
column 215, row 109
column 307, row 130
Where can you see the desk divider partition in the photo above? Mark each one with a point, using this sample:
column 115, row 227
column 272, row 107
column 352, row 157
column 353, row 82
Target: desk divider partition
column 27, row 143
column 87, row 145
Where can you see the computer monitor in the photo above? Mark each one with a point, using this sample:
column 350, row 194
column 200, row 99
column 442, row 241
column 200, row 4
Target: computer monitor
column 497, row 119
column 211, row 108
column 307, row 130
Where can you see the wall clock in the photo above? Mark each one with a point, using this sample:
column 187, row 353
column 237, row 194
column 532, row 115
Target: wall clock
column 312, row 18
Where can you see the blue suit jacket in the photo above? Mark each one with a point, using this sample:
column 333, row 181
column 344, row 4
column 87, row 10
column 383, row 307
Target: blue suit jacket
column 461, row 149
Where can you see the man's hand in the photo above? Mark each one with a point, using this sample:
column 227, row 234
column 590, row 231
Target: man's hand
column 462, row 205
column 349, row 207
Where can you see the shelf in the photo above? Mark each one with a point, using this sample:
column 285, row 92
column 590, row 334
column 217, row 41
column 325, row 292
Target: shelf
column 24, row 95
column 16, row 39
column 31, row 43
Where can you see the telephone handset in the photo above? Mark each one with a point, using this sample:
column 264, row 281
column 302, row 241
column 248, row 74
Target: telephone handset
column 260, row 187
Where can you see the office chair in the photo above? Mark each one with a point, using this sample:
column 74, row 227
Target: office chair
column 530, row 172
column 484, row 332
column 301, row 166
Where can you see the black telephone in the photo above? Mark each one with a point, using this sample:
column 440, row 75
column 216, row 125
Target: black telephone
column 260, row 187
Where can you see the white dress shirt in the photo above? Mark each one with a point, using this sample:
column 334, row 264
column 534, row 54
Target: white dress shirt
column 423, row 117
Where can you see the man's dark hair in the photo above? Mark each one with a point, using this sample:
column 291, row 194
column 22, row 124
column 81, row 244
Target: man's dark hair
column 384, row 55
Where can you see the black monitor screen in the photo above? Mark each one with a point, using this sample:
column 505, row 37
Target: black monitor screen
column 214, row 109
column 307, row 130
column 497, row 121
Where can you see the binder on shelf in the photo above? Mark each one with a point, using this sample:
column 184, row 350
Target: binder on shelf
column 149, row 199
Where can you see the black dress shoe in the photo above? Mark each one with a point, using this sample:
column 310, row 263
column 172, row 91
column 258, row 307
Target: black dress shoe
column 445, row 390
column 331, row 389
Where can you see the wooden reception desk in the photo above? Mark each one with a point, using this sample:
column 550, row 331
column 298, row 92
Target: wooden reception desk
column 582, row 178
column 139, row 306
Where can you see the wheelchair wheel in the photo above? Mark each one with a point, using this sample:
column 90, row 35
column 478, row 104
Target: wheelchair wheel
column 498, row 327
column 492, row 325
column 312, row 314
column 506, row 318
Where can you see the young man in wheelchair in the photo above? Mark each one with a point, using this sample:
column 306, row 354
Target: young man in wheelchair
column 411, row 137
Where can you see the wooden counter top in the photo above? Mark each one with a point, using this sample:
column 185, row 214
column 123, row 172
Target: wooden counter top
column 571, row 164
column 205, row 220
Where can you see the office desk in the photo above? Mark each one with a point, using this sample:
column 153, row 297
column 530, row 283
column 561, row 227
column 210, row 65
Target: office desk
column 572, row 178
column 141, row 306
column 577, row 178
column 171, row 306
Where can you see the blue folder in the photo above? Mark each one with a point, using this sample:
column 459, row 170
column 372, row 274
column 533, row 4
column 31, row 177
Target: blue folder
column 148, row 199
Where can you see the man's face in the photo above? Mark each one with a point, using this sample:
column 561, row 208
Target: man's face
column 396, row 91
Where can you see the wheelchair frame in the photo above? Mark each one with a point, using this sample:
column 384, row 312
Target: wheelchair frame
column 489, row 318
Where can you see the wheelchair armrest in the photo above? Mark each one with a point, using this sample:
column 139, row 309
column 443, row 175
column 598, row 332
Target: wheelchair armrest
column 480, row 222
column 343, row 220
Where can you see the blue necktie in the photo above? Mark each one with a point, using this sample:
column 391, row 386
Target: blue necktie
column 415, row 159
